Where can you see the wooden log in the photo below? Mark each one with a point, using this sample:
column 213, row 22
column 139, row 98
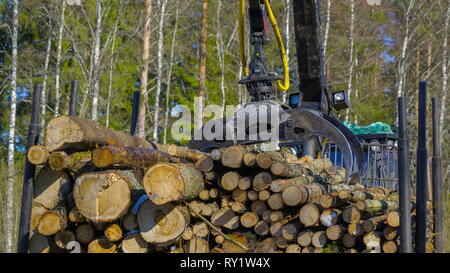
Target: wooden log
column 275, row 229
column 263, row 161
column 371, row 206
column 197, row 245
column 335, row 232
column 261, row 228
column 216, row 154
column 51, row 188
column 113, row 233
column 210, row 176
column 38, row 155
column 249, row 219
column 219, row 239
column 258, row 207
column 309, row 249
column 262, row 181
column 200, row 229
column 85, row 233
column 372, row 242
column 315, row 165
column 75, row 216
column 64, row 237
column 265, row 216
column 36, row 212
column 330, row 217
column 102, row 245
column 134, row 243
column 389, row 247
column 331, row 200
column 250, row 159
column 293, row 248
column 245, row 183
column 130, row 222
column 268, row 245
column 288, row 170
column 100, row 227
column 348, row 240
column 296, row 195
column 52, row 222
column 393, row 219
column 264, row 195
column 355, row 229
column 276, row 216
column 202, row 161
column 351, row 214
column 230, row 181
column 252, row 195
column 304, row 238
column 127, row 156
column 281, row 242
column 390, row 233
column 78, row 134
column 232, row 247
column 350, row 250
column 39, row 244
column 103, row 196
column 213, row 193
column 319, row 239
column 166, row 182
column 280, row 185
column 275, row 201
column 333, row 177
column 371, row 224
column 187, row 234
column 204, row 195
column 225, row 217
column 239, row 195
column 309, row 215
column 74, row 162
column 290, row 231
column 233, row 157
column 238, row 207
column 162, row 224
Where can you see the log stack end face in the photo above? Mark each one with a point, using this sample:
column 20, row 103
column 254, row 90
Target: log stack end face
column 62, row 131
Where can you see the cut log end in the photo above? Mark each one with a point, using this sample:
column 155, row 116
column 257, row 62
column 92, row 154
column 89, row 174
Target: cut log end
column 37, row 155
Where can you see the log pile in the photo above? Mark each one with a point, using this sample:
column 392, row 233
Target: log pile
column 102, row 191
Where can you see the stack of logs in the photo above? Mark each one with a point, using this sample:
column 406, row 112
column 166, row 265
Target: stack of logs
column 103, row 191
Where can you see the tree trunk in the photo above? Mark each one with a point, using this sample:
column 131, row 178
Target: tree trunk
column 162, row 4
column 309, row 215
column 143, row 102
column 327, row 31
column 444, row 71
column 351, row 63
column 230, row 181
column 288, row 170
column 102, row 246
column 330, row 217
column 128, row 157
column 197, row 245
column 287, row 35
column 96, row 60
column 280, row 185
column 162, row 224
column 38, row 155
column 52, row 222
column 113, row 233
column 166, row 183
column 44, row 80
column 111, row 73
column 134, row 244
column 295, row 195
column 51, row 188
column 70, row 133
column 74, row 162
column 169, row 74
column 233, row 157
column 220, row 54
column 103, row 196
column 58, row 59
column 202, row 67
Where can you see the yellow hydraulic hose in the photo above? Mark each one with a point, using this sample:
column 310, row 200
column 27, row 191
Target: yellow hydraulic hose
column 282, row 86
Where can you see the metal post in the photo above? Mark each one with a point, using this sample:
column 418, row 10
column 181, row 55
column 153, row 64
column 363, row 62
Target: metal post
column 404, row 185
column 29, row 173
column 134, row 112
column 422, row 166
column 437, row 179
column 73, row 98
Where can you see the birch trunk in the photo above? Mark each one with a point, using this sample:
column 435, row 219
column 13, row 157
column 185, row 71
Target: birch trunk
column 162, row 4
column 352, row 43
column 111, row 72
column 144, row 73
column 169, row 75
column 327, row 30
column 44, row 81
column 287, row 6
column 12, row 132
column 96, row 60
column 202, row 66
column 220, row 54
column 445, row 62
column 58, row 59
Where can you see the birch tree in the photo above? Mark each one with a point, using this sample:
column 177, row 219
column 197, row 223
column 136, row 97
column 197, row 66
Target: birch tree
column 58, row 58
column 12, row 131
column 96, row 60
column 444, row 70
column 140, row 130
column 327, row 31
column 352, row 45
column 162, row 4
column 45, row 72
column 220, row 53
column 202, row 66
column 287, row 33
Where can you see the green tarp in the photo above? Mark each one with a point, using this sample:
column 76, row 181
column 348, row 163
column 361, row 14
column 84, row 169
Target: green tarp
column 374, row 128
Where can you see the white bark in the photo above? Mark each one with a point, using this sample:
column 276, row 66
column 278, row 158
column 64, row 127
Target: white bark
column 327, row 31
column 221, row 54
column 444, row 71
column 111, row 72
column 402, row 61
column 352, row 44
column 287, row 31
column 169, row 75
column 162, row 4
column 12, row 133
column 44, row 81
column 58, row 59
column 96, row 60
